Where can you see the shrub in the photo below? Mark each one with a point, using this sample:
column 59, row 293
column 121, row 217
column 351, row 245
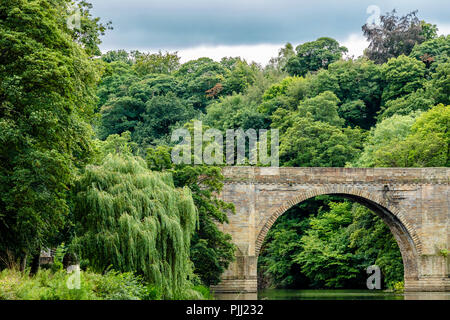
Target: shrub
column 122, row 286
column 399, row 287
column 48, row 285
column 204, row 291
column 45, row 285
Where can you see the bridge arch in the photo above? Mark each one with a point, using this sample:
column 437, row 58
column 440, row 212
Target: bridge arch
column 413, row 202
column 393, row 215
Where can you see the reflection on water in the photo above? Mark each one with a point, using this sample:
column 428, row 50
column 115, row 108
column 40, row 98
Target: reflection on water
column 236, row 296
column 328, row 295
column 427, row 296
column 284, row 294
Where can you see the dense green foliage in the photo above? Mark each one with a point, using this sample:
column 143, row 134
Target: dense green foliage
column 410, row 141
column 326, row 244
column 211, row 249
column 151, row 104
column 314, row 55
column 355, row 113
column 48, row 285
column 76, row 126
column 47, row 95
column 135, row 220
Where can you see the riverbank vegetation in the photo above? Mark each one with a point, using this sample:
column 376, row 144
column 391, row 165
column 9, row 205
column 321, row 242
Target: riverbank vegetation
column 328, row 242
column 85, row 154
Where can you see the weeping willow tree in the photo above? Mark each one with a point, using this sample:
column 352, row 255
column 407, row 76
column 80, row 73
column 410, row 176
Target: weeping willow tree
column 132, row 219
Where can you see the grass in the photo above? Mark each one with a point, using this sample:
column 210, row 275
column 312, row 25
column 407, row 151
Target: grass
column 51, row 285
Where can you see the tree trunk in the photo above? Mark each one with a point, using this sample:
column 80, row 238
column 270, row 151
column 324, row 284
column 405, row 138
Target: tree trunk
column 24, row 263
column 35, row 263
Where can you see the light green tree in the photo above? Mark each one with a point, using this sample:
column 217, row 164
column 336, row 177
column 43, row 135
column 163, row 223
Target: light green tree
column 148, row 63
column 310, row 143
column 388, row 132
column 427, row 144
column 131, row 219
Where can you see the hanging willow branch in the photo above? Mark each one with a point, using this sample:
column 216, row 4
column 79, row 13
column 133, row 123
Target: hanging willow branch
column 133, row 219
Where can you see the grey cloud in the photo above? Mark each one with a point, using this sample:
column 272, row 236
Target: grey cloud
column 180, row 24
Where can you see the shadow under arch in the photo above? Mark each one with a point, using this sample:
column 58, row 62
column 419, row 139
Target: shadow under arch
column 404, row 233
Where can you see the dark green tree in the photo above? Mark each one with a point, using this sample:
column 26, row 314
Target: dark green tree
column 202, row 81
column 240, row 77
column 358, row 84
column 47, row 98
column 314, row 55
column 162, row 113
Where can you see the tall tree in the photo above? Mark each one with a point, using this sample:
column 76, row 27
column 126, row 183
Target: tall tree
column 314, row 55
column 394, row 36
column 284, row 54
column 161, row 114
column 358, row 84
column 148, row 63
column 199, row 79
column 211, row 249
column 135, row 220
column 241, row 76
column 402, row 75
column 88, row 30
column 47, row 97
column 427, row 144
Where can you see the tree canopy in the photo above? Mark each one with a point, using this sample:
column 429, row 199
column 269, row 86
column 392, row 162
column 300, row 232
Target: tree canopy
column 396, row 35
column 85, row 146
column 135, row 220
column 47, row 99
column 314, row 55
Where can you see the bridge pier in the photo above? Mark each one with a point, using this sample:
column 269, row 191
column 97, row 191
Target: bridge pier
column 428, row 284
column 413, row 202
column 241, row 277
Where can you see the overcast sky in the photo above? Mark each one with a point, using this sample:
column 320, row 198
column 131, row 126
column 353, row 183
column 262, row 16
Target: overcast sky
column 252, row 29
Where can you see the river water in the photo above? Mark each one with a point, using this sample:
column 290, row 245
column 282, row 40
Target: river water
column 285, row 294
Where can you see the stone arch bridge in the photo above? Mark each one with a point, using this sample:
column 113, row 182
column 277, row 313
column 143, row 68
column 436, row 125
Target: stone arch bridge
column 413, row 202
